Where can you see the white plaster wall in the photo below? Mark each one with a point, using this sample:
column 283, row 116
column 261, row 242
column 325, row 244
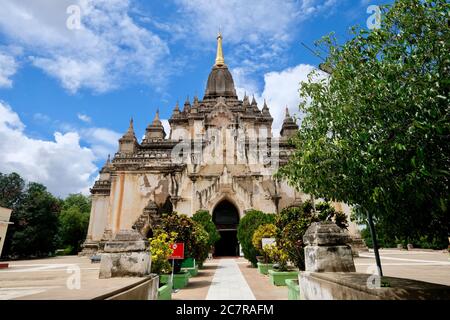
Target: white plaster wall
column 99, row 217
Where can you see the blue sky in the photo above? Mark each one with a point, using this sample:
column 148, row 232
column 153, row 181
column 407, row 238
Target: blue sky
column 67, row 95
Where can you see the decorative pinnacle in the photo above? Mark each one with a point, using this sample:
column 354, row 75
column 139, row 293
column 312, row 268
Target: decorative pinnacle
column 220, row 61
column 287, row 113
column 156, row 120
column 131, row 127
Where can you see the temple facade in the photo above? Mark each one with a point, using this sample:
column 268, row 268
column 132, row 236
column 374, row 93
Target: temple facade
column 220, row 156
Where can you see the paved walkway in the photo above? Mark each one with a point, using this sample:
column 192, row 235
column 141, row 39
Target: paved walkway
column 226, row 278
column 57, row 278
column 229, row 283
column 428, row 266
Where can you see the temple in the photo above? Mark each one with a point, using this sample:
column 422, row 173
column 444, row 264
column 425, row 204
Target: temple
column 220, row 156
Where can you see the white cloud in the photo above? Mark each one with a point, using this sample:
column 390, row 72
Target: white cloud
column 8, row 67
column 60, row 164
column 83, row 117
column 251, row 21
column 41, row 118
column 108, row 47
column 166, row 126
column 102, row 141
column 281, row 90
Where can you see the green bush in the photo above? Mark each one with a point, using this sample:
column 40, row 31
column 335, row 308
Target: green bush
column 247, row 226
column 201, row 247
column 203, row 218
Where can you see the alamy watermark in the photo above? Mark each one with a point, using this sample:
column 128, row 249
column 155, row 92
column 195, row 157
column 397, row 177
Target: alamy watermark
column 230, row 146
column 374, row 280
column 73, row 281
column 73, row 22
column 374, row 20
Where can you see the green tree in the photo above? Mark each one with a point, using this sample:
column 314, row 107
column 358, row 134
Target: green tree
column 203, row 218
column 375, row 132
column 12, row 188
column 36, row 223
column 74, row 222
column 247, row 226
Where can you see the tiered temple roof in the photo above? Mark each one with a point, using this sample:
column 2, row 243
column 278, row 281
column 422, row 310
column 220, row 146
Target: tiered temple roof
column 156, row 147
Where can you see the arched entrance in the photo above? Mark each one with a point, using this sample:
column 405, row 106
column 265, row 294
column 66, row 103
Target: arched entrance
column 226, row 219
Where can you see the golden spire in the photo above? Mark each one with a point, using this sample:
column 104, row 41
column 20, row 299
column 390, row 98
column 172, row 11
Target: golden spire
column 220, row 61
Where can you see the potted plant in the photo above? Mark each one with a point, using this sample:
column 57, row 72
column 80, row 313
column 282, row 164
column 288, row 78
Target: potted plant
column 280, row 272
column 263, row 231
column 160, row 250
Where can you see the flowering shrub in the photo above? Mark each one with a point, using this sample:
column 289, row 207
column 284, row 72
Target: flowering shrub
column 277, row 255
column 161, row 251
column 268, row 230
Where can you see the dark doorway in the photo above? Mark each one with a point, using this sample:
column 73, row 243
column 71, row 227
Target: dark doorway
column 226, row 219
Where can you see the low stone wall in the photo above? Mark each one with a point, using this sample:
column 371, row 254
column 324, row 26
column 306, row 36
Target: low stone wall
column 353, row 286
column 147, row 289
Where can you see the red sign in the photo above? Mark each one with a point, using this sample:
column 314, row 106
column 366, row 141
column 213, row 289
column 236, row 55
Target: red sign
column 178, row 251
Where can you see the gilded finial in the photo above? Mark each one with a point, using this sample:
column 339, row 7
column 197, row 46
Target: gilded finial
column 220, row 61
